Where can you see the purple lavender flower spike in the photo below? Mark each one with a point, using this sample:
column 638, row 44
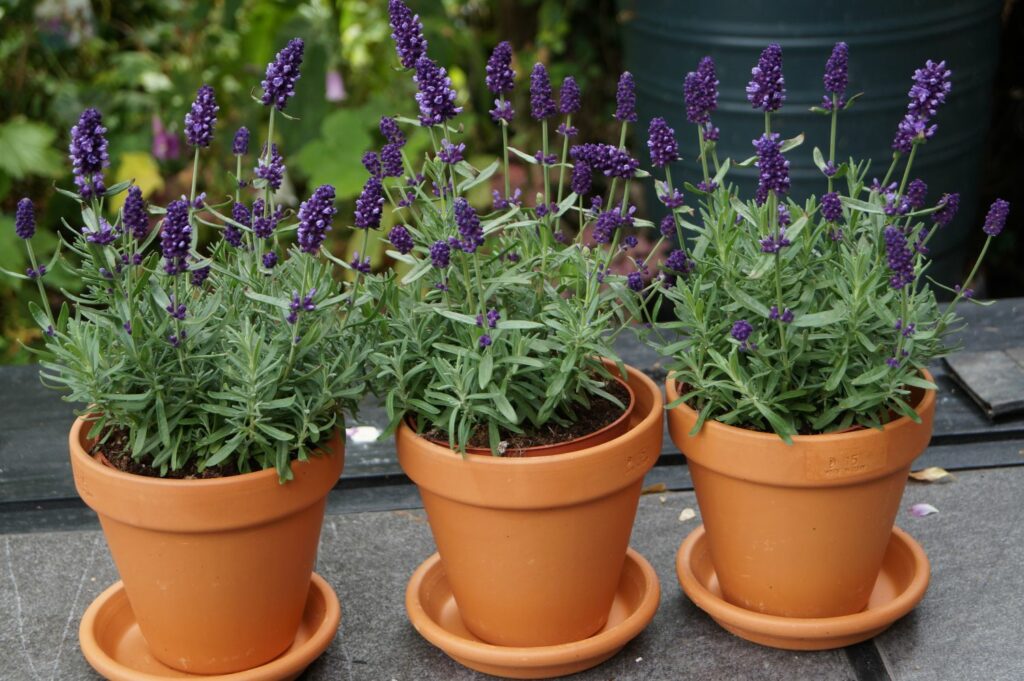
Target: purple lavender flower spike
column 773, row 168
column 661, row 142
column 493, row 317
column 774, row 244
column 401, row 239
column 436, row 97
column 604, row 227
column 900, row 258
column 502, row 111
column 25, row 219
column 263, row 225
column 407, row 32
column 673, row 200
column 240, row 145
column 469, row 226
column 995, row 220
column 391, row 160
column 271, row 170
column 635, row 281
column 831, row 207
column 741, row 331
column 270, row 260
column 176, row 237
column 786, row 317
column 201, row 119
column 279, row 84
column 392, row 133
column 785, row 219
column 370, row 204
column 103, row 236
column 836, row 76
column 361, row 265
column 567, row 130
column 700, row 91
column 917, row 194
column 485, row 341
column 625, row 99
column 371, row 161
column 232, row 234
column 451, row 153
column 175, row 309
column 134, row 218
column 949, row 204
column 581, row 178
column 569, row 97
column 315, row 215
column 440, row 254
column 500, row 76
column 542, row 104
column 200, row 275
column 767, row 87
column 88, row 153
column 931, row 85
column 830, row 169
column 667, row 227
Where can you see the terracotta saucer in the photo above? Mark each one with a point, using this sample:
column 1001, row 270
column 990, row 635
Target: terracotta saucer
column 900, row 586
column 434, row 613
column 113, row 645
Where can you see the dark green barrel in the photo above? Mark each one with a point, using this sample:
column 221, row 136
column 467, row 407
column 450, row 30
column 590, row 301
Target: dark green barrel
column 888, row 39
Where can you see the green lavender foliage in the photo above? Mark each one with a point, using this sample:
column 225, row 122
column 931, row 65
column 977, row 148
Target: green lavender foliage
column 846, row 357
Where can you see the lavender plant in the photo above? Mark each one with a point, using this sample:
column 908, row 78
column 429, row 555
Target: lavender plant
column 813, row 317
column 501, row 319
column 238, row 356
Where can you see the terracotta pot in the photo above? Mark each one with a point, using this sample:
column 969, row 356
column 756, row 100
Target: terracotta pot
column 799, row 530
column 217, row 571
column 533, row 547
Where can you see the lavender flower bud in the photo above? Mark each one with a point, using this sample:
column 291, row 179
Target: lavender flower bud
column 773, row 168
column 949, row 204
column 88, row 153
column 831, row 207
column 625, row 99
column 279, row 84
column 232, row 234
column 661, row 142
column 700, row 91
column 270, row 260
column 542, row 104
column 469, row 226
column 176, row 237
column 440, row 254
column 392, row 133
column 391, row 160
column 485, row 341
column 200, row 275
column 500, row 76
column 767, row 87
column 569, row 97
column 315, row 215
column 272, row 169
column 995, row 220
column 371, row 162
column 900, row 258
column 240, row 147
column 407, row 32
column 25, row 219
column 502, row 111
column 635, row 281
column 103, row 236
column 835, row 77
column 263, row 225
column 401, row 239
column 370, row 204
column 201, row 119
column 363, row 265
column 451, row 153
column 436, row 97
column 133, row 215
column 667, row 227
column 741, row 331
column 917, row 194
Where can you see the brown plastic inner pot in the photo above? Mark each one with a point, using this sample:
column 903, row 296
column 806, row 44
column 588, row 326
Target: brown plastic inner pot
column 600, row 436
column 916, row 397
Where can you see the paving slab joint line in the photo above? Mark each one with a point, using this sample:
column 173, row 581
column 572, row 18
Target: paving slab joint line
column 868, row 662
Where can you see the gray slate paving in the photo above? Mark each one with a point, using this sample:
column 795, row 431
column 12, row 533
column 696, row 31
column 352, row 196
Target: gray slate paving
column 968, row 627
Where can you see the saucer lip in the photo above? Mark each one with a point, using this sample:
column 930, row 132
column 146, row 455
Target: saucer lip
column 284, row 666
column 806, row 628
column 465, row 650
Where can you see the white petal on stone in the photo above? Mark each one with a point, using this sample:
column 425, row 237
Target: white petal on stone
column 362, row 434
column 687, row 514
column 921, row 510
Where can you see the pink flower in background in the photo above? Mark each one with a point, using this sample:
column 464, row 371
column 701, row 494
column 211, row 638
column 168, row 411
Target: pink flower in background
column 334, row 87
column 166, row 146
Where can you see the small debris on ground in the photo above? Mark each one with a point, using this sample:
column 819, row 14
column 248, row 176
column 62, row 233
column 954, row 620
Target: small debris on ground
column 656, row 488
column 932, row 474
column 687, row 514
column 921, row 510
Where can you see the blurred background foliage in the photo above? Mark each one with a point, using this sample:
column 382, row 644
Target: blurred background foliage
column 141, row 61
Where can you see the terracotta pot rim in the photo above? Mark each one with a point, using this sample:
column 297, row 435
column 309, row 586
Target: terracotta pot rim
column 576, row 442
column 78, row 435
column 803, row 627
column 433, row 448
column 926, row 403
